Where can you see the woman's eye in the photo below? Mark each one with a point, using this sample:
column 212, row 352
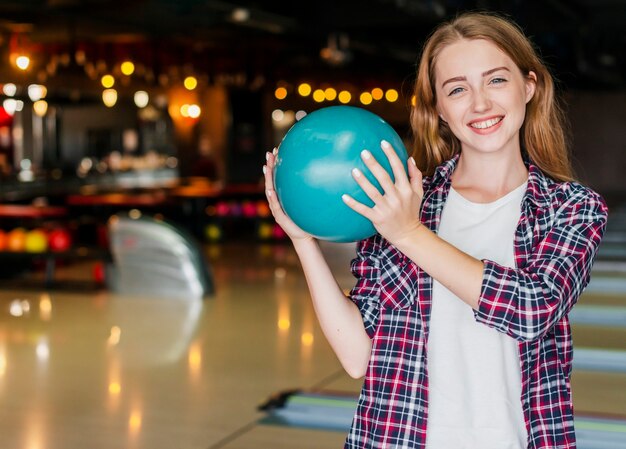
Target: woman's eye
column 458, row 90
column 498, row 80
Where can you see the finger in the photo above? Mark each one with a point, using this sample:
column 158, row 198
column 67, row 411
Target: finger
column 359, row 208
column 378, row 171
column 370, row 190
column 268, row 170
column 397, row 167
column 415, row 176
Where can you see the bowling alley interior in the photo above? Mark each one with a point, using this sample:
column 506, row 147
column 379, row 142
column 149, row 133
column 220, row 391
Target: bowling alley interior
column 148, row 299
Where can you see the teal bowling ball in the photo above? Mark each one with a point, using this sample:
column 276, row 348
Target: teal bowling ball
column 314, row 169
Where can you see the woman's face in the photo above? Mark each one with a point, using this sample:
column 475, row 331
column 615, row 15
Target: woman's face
column 482, row 95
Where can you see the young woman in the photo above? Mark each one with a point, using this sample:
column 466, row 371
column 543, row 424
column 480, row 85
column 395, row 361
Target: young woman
column 458, row 319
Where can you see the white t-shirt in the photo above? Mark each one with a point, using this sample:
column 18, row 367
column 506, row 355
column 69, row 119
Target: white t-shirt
column 474, row 371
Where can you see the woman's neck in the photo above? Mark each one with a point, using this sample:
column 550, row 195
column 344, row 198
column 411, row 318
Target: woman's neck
column 484, row 178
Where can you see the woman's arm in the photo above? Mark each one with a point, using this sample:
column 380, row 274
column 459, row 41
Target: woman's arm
column 524, row 303
column 339, row 318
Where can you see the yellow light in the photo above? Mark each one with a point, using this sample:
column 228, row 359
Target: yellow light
column 307, row 339
column 280, row 93
column 3, row 364
column 391, row 95
column 107, row 81
column 284, row 324
column 330, row 94
column 45, row 307
column 109, row 97
column 134, row 422
column 194, row 111
column 40, row 107
column 184, row 110
column 319, row 95
column 345, row 97
column 22, row 62
column 413, row 100
column 377, row 93
column 115, row 388
column 304, row 89
column 365, row 98
column 128, row 68
column 190, row 83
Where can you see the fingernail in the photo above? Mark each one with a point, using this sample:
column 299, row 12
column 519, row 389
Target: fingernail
column 385, row 144
column 268, row 193
column 413, row 161
column 356, row 172
column 264, row 169
column 366, row 154
column 275, row 151
column 345, row 198
column 267, row 156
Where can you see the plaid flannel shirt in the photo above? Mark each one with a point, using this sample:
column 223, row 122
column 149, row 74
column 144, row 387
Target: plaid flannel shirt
column 556, row 239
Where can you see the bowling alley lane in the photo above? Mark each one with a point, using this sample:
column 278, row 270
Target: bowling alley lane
column 93, row 369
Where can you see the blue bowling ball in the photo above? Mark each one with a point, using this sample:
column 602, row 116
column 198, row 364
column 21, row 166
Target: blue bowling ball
column 314, row 169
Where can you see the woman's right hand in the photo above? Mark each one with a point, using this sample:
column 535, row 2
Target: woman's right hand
column 291, row 229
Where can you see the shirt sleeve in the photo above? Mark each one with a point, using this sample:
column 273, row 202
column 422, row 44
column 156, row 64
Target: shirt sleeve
column 365, row 293
column 526, row 303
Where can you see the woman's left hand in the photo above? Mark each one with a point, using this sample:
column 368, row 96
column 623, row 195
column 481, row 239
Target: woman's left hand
column 395, row 213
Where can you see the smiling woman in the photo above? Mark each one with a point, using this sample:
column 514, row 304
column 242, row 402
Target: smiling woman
column 480, row 261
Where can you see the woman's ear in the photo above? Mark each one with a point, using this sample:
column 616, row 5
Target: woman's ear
column 531, row 85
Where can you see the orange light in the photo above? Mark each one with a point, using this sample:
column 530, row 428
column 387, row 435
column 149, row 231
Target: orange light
column 280, row 93
column 377, row 93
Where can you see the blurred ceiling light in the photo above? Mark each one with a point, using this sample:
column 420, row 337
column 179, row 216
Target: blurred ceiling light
column 9, row 89
column 304, row 89
column 141, row 98
column 365, row 98
column 345, row 97
column 9, row 106
column 377, row 93
column 127, row 68
column 278, row 115
column 240, row 14
column 37, row 92
column 107, row 81
column 319, row 95
column 22, row 62
column 190, row 83
column 194, row 111
column 109, row 97
column 280, row 93
column 40, row 107
column 391, row 95
column 330, row 94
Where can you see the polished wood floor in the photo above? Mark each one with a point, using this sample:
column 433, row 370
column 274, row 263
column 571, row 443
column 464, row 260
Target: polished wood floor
column 85, row 368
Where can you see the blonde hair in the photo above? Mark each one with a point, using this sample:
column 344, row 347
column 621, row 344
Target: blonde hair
column 542, row 133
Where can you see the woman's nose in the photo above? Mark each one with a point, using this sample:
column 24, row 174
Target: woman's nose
column 481, row 101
